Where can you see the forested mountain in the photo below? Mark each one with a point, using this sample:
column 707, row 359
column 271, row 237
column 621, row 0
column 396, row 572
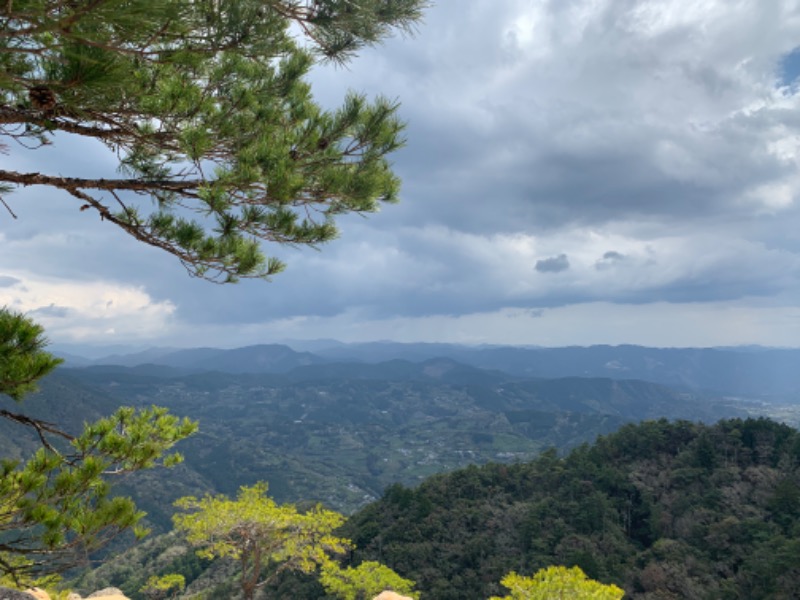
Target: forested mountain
column 341, row 433
column 665, row 510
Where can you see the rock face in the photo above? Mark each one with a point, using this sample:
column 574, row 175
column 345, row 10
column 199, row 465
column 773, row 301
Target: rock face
column 391, row 596
column 37, row 594
column 9, row 594
column 108, row 594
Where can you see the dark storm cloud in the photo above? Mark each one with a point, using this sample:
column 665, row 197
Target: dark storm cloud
column 554, row 264
column 641, row 151
column 537, row 153
column 572, row 171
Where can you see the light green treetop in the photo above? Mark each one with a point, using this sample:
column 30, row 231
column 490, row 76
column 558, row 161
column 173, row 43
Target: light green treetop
column 363, row 582
column 558, row 583
column 265, row 537
column 165, row 586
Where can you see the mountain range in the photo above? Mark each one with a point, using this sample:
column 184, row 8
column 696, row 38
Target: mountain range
column 344, row 423
column 758, row 373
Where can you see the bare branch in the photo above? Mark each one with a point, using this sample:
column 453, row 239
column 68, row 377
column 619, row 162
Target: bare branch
column 185, row 187
column 8, row 208
column 40, row 426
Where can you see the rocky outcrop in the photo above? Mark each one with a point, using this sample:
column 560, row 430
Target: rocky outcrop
column 40, row 594
column 388, row 595
column 9, row 594
column 108, row 594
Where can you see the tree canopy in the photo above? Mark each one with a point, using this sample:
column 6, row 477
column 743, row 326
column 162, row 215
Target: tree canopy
column 220, row 144
column 659, row 508
column 557, row 583
column 363, row 582
column 158, row 588
column 265, row 537
column 56, row 507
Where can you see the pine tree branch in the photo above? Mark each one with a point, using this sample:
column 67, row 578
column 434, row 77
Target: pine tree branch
column 40, row 426
column 17, row 116
column 113, row 132
column 8, row 208
column 144, row 234
column 186, row 187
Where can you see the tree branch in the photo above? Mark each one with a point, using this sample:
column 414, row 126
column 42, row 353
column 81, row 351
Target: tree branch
column 8, row 208
column 40, row 426
column 108, row 128
column 185, row 187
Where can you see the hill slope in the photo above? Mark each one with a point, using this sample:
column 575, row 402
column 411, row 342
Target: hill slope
column 341, row 434
column 666, row 510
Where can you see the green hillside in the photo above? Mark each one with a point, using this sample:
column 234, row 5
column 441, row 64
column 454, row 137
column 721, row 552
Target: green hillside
column 665, row 510
column 341, row 434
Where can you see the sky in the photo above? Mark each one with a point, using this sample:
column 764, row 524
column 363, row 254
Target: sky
column 577, row 172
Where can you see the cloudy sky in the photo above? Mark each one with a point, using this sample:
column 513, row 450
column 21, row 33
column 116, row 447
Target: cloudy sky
column 577, row 172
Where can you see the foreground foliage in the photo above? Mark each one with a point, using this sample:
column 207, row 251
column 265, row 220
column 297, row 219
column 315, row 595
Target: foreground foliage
column 56, row 506
column 206, row 108
column 166, row 586
column 269, row 539
column 363, row 582
column 265, row 537
column 558, row 583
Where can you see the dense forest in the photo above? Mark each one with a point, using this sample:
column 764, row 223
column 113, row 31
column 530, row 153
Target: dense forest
column 663, row 509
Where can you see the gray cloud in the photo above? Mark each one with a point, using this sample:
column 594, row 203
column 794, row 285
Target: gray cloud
column 51, row 311
column 554, row 264
column 7, row 281
column 644, row 153
column 564, row 131
column 609, row 259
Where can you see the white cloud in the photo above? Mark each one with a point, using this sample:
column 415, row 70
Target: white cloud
column 653, row 324
column 97, row 311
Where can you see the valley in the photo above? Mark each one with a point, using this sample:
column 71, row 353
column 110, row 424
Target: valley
column 321, row 430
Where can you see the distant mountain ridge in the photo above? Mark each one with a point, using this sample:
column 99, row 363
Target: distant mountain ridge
column 772, row 374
